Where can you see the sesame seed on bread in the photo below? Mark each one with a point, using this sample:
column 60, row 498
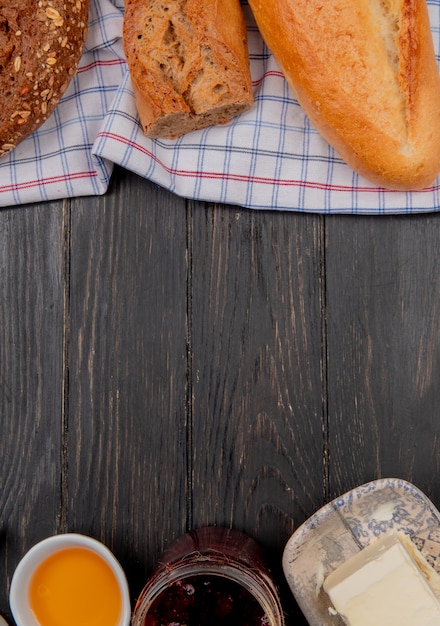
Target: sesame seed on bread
column 40, row 47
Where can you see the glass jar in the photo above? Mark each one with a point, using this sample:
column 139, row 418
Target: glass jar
column 212, row 575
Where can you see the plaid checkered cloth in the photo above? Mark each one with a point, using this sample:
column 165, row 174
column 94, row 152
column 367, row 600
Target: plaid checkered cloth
column 268, row 158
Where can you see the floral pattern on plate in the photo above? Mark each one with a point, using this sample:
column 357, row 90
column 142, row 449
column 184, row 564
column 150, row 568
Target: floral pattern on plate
column 348, row 524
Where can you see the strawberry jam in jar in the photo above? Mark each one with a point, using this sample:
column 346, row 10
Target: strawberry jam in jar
column 211, row 576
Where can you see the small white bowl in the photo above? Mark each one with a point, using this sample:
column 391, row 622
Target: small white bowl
column 19, row 591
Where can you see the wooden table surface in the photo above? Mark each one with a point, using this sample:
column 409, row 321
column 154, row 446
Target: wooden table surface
column 167, row 364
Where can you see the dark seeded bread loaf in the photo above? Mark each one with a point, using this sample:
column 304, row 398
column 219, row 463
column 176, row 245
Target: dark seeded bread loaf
column 188, row 62
column 41, row 42
column 366, row 74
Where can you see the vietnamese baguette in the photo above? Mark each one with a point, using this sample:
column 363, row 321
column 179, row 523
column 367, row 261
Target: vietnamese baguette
column 189, row 63
column 366, row 74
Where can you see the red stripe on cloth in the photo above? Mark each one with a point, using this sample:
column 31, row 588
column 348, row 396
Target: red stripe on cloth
column 51, row 180
column 252, row 179
column 98, row 63
column 258, row 81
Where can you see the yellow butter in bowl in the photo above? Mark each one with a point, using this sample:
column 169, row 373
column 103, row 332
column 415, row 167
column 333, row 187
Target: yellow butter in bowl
column 69, row 580
column 75, row 586
column 388, row 583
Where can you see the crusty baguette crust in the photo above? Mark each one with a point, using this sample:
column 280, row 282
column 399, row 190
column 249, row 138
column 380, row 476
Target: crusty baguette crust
column 365, row 73
column 41, row 42
column 188, row 62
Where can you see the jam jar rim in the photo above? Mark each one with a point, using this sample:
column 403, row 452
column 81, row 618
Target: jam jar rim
column 249, row 579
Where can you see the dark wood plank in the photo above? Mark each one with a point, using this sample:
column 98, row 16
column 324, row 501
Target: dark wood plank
column 165, row 365
column 31, row 380
column 383, row 318
column 127, row 372
column 257, row 411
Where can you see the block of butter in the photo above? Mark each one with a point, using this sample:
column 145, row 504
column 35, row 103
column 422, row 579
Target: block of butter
column 388, row 583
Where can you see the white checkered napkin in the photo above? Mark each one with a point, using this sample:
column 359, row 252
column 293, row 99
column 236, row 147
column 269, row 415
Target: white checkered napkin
column 56, row 161
column 268, row 158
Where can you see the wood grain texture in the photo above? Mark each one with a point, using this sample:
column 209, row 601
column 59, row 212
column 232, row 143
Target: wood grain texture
column 258, row 430
column 127, row 472
column 256, row 339
column 383, row 312
column 166, row 364
column 31, row 377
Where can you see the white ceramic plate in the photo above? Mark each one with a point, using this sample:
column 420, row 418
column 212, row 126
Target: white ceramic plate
column 348, row 524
